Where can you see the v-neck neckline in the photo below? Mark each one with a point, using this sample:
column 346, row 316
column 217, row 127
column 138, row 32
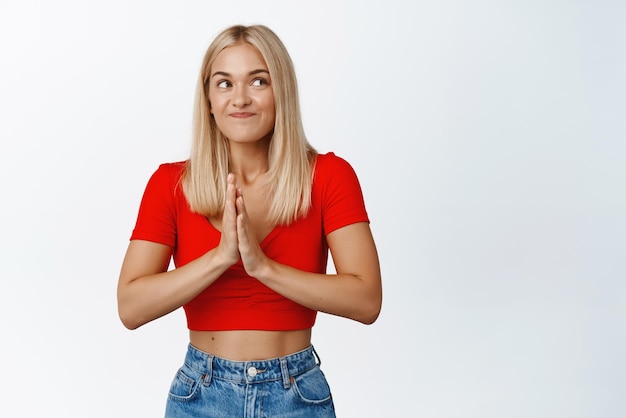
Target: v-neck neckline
column 270, row 234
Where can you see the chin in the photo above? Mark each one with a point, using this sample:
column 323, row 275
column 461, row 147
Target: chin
column 249, row 139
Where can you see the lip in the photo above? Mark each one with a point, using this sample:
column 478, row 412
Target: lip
column 241, row 115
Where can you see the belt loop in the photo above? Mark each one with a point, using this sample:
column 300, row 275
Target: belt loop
column 284, row 370
column 319, row 360
column 209, row 370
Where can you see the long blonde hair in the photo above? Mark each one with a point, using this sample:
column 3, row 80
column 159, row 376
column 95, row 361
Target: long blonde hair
column 290, row 155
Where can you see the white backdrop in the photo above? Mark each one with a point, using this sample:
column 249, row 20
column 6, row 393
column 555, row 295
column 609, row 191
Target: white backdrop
column 490, row 140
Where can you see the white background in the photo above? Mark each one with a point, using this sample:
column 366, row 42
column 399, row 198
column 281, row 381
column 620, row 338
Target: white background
column 490, row 140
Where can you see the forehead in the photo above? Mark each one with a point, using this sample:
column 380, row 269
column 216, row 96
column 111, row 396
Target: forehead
column 239, row 58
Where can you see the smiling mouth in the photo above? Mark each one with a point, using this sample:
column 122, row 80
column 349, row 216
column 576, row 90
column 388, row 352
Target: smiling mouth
column 241, row 115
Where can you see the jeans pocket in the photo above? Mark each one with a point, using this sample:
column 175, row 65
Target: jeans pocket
column 185, row 384
column 312, row 387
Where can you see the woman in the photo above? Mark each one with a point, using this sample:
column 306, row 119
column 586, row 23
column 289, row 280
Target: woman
column 249, row 220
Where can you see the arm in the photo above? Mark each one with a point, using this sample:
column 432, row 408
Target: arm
column 146, row 290
column 355, row 292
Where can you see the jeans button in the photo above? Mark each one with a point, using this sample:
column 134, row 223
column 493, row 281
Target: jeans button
column 252, row 371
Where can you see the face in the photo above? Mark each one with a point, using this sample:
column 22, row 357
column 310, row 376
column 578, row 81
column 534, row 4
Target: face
column 240, row 94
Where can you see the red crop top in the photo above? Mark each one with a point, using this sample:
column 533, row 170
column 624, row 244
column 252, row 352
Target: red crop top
column 236, row 301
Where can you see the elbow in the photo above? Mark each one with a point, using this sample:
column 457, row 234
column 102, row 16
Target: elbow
column 370, row 313
column 130, row 325
column 129, row 320
column 371, row 308
column 130, row 315
column 369, row 318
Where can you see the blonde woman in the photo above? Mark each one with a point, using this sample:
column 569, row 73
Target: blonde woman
column 249, row 219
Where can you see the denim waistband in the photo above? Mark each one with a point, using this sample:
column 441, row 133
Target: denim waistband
column 256, row 371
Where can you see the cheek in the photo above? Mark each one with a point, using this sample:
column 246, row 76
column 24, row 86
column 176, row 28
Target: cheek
column 209, row 100
column 213, row 102
column 270, row 105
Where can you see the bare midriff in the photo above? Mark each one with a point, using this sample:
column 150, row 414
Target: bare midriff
column 248, row 345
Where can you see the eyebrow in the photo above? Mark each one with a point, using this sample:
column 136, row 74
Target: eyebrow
column 253, row 72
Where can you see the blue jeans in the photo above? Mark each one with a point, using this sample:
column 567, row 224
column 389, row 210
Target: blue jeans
column 284, row 387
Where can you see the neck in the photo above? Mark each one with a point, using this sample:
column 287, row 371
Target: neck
column 249, row 161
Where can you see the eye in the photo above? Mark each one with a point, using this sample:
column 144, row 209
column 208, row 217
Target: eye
column 223, row 84
column 258, row 82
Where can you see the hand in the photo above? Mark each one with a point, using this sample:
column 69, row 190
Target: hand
column 251, row 253
column 228, row 248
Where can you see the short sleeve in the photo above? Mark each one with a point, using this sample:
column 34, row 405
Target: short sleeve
column 156, row 220
column 342, row 197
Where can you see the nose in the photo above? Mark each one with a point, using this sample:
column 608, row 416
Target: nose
column 241, row 96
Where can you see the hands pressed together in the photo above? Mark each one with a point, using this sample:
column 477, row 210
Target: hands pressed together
column 238, row 241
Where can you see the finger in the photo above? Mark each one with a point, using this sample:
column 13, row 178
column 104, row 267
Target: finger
column 229, row 217
column 231, row 187
column 228, row 242
column 230, row 210
column 242, row 234
column 231, row 191
column 242, row 223
column 251, row 254
column 241, row 206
